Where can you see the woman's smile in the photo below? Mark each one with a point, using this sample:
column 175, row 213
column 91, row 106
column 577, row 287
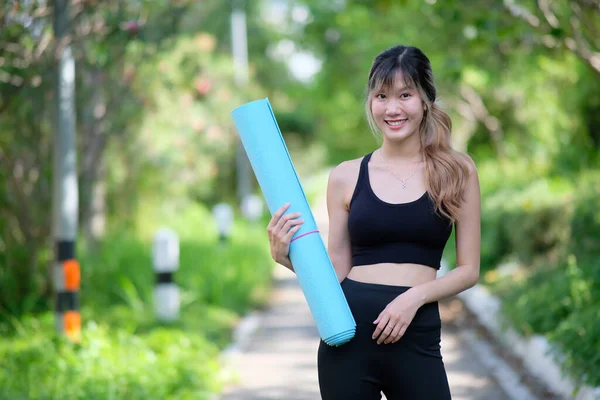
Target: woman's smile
column 396, row 124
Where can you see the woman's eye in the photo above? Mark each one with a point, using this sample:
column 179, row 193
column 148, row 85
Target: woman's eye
column 405, row 95
column 380, row 96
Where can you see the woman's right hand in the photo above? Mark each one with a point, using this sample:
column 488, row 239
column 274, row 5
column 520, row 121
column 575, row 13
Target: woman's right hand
column 281, row 229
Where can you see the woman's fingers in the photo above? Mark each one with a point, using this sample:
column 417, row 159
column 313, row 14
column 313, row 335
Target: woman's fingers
column 386, row 333
column 388, row 330
column 281, row 229
column 285, row 222
column 383, row 320
column 401, row 332
column 277, row 215
column 288, row 236
column 280, row 224
column 395, row 335
column 289, row 224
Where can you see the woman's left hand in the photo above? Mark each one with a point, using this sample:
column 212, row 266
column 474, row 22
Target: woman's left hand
column 393, row 321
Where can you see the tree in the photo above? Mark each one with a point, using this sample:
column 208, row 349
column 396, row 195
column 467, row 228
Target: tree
column 573, row 25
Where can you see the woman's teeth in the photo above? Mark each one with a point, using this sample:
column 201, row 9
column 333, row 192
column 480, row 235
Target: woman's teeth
column 396, row 123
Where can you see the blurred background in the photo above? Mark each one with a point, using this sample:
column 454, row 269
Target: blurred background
column 153, row 145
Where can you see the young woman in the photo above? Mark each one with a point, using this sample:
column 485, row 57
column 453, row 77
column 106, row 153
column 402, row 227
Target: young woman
column 391, row 213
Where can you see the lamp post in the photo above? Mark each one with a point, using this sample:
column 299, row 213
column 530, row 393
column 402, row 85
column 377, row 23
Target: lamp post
column 165, row 260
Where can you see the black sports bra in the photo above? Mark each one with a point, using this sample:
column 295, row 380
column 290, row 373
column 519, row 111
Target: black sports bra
column 382, row 232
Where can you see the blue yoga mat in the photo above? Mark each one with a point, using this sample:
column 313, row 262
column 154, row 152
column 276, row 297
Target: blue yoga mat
column 276, row 175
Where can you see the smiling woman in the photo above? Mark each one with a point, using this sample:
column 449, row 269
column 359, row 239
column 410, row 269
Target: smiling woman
column 390, row 217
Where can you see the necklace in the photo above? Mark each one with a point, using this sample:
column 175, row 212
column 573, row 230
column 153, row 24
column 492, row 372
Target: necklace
column 404, row 181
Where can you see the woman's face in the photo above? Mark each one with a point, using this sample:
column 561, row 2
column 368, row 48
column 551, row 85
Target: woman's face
column 397, row 110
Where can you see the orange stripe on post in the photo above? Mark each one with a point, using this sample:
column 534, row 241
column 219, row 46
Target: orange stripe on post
column 72, row 325
column 72, row 275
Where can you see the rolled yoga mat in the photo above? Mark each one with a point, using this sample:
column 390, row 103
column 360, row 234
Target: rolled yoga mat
column 276, row 175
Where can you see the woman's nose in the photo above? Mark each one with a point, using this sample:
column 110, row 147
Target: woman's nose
column 393, row 107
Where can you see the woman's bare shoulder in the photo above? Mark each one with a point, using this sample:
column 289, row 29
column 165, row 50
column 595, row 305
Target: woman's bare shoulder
column 343, row 179
column 346, row 172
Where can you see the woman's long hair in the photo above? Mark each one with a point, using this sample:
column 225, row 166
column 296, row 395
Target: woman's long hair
column 446, row 170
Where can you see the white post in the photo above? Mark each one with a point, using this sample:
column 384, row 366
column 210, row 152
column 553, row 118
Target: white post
column 252, row 207
column 165, row 260
column 223, row 214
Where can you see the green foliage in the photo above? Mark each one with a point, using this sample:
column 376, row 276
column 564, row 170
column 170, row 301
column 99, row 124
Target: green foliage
column 107, row 364
column 528, row 222
column 187, row 156
column 585, row 225
column 125, row 352
column 548, row 217
column 233, row 275
column 544, row 301
column 579, row 341
column 560, row 301
column 558, row 294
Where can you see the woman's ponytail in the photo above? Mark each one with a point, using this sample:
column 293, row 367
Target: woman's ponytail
column 446, row 170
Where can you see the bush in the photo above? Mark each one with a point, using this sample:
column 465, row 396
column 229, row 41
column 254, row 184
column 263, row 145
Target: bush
column 536, row 304
column 578, row 338
column 526, row 223
column 125, row 353
column 560, row 302
column 108, row 364
column 559, row 294
column 585, row 225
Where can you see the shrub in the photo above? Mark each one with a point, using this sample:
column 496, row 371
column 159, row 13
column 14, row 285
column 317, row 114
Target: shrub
column 108, row 364
column 585, row 225
column 526, row 223
column 554, row 229
column 125, row 353
column 561, row 302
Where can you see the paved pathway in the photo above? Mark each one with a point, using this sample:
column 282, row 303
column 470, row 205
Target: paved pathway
column 280, row 362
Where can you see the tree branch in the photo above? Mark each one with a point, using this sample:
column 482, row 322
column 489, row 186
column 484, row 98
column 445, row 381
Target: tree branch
column 577, row 43
column 522, row 13
column 544, row 6
column 479, row 111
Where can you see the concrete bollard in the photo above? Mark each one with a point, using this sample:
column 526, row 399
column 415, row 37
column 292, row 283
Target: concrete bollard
column 165, row 260
column 223, row 214
column 252, row 207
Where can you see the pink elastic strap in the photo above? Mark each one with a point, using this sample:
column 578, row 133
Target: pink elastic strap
column 304, row 234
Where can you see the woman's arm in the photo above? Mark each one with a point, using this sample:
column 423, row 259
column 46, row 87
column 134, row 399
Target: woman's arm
column 468, row 244
column 338, row 242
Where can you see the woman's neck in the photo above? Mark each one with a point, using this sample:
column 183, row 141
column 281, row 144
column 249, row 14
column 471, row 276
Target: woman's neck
column 398, row 154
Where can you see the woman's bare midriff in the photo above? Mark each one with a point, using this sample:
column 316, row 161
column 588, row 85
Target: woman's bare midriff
column 393, row 274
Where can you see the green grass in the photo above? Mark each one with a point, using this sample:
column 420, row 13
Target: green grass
column 109, row 363
column 125, row 353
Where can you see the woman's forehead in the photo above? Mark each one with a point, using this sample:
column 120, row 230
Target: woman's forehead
column 394, row 81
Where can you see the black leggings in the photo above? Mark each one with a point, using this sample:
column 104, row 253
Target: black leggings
column 411, row 368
